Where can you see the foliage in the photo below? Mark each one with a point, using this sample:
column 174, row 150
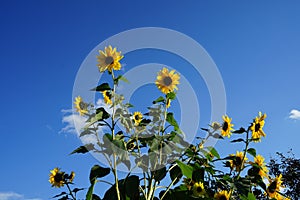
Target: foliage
column 153, row 143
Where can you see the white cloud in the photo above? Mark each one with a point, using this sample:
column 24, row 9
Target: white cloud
column 14, row 196
column 294, row 114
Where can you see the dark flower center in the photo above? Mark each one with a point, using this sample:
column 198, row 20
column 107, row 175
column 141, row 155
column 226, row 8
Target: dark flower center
column 257, row 127
column 82, row 105
column 223, row 197
column 199, row 189
column 238, row 161
column 58, row 177
column 167, row 81
column 225, row 126
column 108, row 94
column 109, row 60
column 136, row 117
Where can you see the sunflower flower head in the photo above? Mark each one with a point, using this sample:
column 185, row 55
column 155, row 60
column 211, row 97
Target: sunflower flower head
column 238, row 161
column 222, row 195
column 137, row 118
column 226, row 126
column 274, row 186
column 109, row 59
column 56, row 178
column 167, row 81
column 198, row 189
column 81, row 107
column 260, row 161
column 256, row 127
column 107, row 95
column 215, row 126
column 71, row 177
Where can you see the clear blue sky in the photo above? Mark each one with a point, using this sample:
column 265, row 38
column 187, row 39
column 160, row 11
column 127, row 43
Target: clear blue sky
column 256, row 47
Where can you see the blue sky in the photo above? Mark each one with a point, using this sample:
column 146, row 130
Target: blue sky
column 256, row 47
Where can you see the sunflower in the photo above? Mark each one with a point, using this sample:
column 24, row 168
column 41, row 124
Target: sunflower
column 227, row 126
column 257, row 126
column 56, row 178
column 167, row 81
column 137, row 118
column 237, row 162
column 222, row 195
column 198, row 189
column 260, row 161
column 215, row 126
column 80, row 106
column 109, row 59
column 107, row 97
column 274, row 186
column 71, row 176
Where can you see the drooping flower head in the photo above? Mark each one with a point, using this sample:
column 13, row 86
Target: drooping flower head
column 257, row 126
column 238, row 161
column 227, row 126
column 109, row 59
column 137, row 118
column 222, row 195
column 81, row 107
column 167, row 81
column 56, row 178
column 198, row 189
column 260, row 161
column 71, row 177
column 274, row 186
column 107, row 97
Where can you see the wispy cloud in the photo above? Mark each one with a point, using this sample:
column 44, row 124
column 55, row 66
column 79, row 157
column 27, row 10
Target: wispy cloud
column 74, row 123
column 14, row 196
column 294, row 114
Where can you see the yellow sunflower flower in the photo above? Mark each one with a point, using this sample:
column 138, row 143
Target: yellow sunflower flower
column 226, row 127
column 109, row 59
column 257, row 126
column 107, row 97
column 260, row 161
column 167, row 81
column 238, row 162
column 56, row 178
column 274, row 186
column 198, row 189
column 137, row 118
column 71, row 176
column 222, row 195
column 80, row 106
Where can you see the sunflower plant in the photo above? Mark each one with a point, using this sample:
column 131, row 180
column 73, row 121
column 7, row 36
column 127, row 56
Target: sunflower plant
column 153, row 143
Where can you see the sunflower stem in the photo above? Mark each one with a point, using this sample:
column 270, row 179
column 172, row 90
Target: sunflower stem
column 70, row 191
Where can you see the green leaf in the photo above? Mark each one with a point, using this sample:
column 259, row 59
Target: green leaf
column 198, row 175
column 101, row 88
column 98, row 172
column 85, row 132
column 89, row 194
column 172, row 121
column 171, row 95
column 122, row 78
column 132, row 187
column 160, row 173
column 102, row 113
column 240, row 131
column 252, row 152
column 237, row 140
column 251, row 196
column 186, row 170
column 158, row 100
column 214, row 152
column 83, row 149
column 63, row 193
column 175, row 172
column 75, row 190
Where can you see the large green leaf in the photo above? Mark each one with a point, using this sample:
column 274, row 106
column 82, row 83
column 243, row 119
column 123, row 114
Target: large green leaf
column 198, row 175
column 170, row 118
column 171, row 95
column 159, row 174
column 252, row 152
column 159, row 99
column 185, row 169
column 83, row 149
column 98, row 172
column 214, row 152
column 101, row 88
column 175, row 173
